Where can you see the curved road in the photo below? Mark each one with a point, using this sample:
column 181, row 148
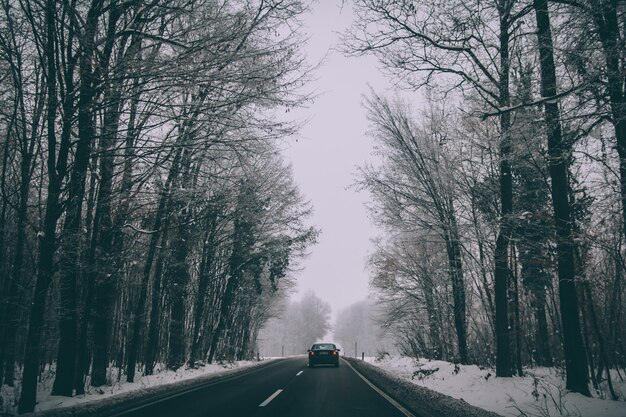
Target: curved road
column 285, row 388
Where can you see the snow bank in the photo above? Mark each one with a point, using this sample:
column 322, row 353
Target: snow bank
column 120, row 392
column 422, row 401
column 540, row 393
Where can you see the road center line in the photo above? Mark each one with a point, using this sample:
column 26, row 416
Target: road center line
column 270, row 398
column 298, row 374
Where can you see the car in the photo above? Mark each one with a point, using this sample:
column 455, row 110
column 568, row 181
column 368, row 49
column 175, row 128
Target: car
column 323, row 353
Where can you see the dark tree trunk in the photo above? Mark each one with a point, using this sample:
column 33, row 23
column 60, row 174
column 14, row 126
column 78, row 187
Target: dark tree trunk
column 224, row 313
column 4, row 300
column 161, row 221
column 483, row 273
column 15, row 281
column 178, row 271
column 82, row 362
column 243, row 239
column 588, row 345
column 69, row 263
column 242, row 352
column 501, row 254
column 599, row 336
column 152, row 341
column 573, row 346
column 179, row 277
column 19, row 127
column 433, row 321
column 542, row 336
column 516, row 313
column 206, row 271
column 605, row 16
column 103, row 298
column 138, row 317
column 107, row 250
column 136, row 323
column 47, row 243
column 47, row 246
column 453, row 246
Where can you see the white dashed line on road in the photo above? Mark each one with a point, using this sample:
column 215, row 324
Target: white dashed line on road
column 270, row 398
column 298, row 374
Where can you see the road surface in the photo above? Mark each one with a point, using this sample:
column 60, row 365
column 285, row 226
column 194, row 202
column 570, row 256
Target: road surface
column 285, row 388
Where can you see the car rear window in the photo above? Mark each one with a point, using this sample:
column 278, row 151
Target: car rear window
column 323, row 347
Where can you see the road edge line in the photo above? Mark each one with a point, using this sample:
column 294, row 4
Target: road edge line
column 158, row 398
column 270, row 398
column 393, row 402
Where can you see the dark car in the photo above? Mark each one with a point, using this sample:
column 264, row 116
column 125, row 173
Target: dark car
column 323, row 353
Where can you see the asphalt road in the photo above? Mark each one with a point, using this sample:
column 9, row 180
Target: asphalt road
column 285, row 388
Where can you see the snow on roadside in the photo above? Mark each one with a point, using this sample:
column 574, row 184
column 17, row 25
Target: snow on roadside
column 540, row 393
column 161, row 377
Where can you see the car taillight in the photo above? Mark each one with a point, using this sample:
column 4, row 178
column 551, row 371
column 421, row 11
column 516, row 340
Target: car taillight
column 312, row 353
column 335, row 353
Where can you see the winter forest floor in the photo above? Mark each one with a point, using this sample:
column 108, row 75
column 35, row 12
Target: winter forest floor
column 540, row 393
column 10, row 395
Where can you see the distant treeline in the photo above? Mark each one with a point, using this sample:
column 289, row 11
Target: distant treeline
column 295, row 327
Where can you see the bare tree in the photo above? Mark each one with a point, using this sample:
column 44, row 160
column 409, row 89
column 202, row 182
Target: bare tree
column 575, row 357
column 414, row 189
column 454, row 40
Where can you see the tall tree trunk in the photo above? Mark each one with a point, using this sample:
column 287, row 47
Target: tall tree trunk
column 69, row 263
column 516, row 312
column 161, row 222
column 138, row 317
column 178, row 270
column 433, row 320
column 152, row 341
column 501, row 254
column 206, row 270
column 179, row 277
column 453, row 246
column 243, row 239
column 15, row 280
column 19, row 124
column 47, row 242
column 542, row 345
column 573, row 346
column 483, row 270
column 82, row 362
column 4, row 267
column 244, row 322
column 606, row 18
column 125, row 190
column 107, row 250
column 224, row 313
column 586, row 291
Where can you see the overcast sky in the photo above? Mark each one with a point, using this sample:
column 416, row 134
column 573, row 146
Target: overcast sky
column 325, row 160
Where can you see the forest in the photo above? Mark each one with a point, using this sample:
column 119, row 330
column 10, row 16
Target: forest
column 147, row 215
column 503, row 198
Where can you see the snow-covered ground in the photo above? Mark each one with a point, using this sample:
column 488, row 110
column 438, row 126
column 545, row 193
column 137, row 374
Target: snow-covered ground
column 540, row 393
column 161, row 377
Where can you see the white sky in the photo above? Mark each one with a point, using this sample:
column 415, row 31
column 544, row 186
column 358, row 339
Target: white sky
column 325, row 160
